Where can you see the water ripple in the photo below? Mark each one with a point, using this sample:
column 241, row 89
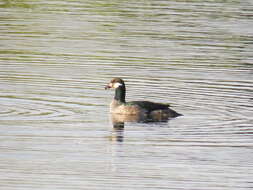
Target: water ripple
column 56, row 57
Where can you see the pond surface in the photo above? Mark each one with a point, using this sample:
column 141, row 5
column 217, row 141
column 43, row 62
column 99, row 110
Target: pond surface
column 57, row 56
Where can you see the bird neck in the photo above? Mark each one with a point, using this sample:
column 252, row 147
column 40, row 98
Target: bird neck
column 120, row 94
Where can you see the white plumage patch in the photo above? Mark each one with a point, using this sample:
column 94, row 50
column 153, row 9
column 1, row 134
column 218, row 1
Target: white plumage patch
column 116, row 84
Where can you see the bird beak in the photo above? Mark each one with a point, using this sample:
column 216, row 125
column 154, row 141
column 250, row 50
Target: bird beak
column 108, row 86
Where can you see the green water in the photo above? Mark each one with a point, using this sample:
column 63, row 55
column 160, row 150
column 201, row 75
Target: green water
column 57, row 56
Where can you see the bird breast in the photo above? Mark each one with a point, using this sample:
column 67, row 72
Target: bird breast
column 120, row 108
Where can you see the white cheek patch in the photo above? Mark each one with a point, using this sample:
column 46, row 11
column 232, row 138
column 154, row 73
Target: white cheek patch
column 116, row 85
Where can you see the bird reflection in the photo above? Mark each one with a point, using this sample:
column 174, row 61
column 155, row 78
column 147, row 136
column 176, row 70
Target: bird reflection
column 118, row 132
column 118, row 122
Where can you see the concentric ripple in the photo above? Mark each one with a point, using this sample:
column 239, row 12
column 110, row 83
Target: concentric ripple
column 57, row 56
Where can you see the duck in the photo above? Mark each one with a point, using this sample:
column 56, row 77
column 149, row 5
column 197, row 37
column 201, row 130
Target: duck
column 150, row 110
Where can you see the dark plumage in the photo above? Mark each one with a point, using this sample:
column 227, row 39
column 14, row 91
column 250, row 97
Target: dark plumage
column 149, row 106
column 150, row 109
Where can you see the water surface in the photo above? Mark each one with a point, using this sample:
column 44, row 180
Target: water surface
column 57, row 56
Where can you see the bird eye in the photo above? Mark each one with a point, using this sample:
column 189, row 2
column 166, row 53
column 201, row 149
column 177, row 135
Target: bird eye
column 117, row 84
